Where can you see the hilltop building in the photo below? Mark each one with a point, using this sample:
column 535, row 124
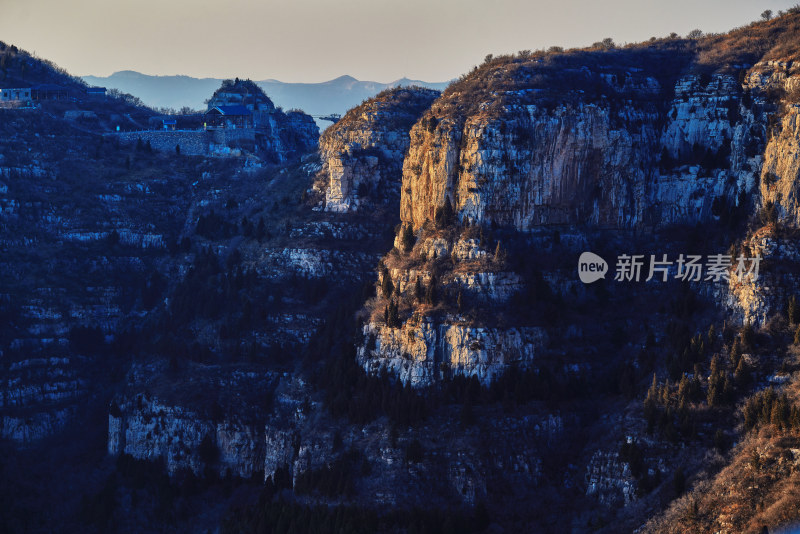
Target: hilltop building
column 236, row 116
column 15, row 95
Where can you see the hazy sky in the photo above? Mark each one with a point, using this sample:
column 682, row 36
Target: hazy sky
column 316, row 40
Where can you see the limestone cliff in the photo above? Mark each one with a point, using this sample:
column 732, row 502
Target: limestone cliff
column 634, row 149
column 363, row 153
column 644, row 139
column 781, row 157
column 207, row 312
column 419, row 354
column 775, row 224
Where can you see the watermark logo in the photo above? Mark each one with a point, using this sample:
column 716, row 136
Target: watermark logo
column 686, row 267
column 591, row 267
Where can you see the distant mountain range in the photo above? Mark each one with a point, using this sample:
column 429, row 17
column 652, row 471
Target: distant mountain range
column 334, row 96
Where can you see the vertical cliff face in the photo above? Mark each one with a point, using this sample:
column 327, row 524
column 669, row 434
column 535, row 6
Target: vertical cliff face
column 709, row 149
column 774, row 86
column 781, row 167
column 754, row 301
column 529, row 166
column 621, row 148
column 430, row 319
column 362, row 154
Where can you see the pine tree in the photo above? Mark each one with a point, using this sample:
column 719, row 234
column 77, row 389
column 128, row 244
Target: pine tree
column 459, row 302
column 736, row 353
column 794, row 418
column 431, row 294
column 793, row 311
column 695, row 390
column 715, row 364
column 393, row 317
column 650, row 409
column 748, row 336
column 714, row 393
column 797, row 336
column 742, row 374
column 712, row 336
column 780, row 413
column 499, row 253
column 418, row 293
column 727, row 389
column 683, row 392
column 113, row 238
column 387, row 287
column 247, row 227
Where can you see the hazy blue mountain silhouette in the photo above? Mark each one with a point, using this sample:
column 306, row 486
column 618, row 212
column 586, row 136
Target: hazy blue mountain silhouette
column 334, row 96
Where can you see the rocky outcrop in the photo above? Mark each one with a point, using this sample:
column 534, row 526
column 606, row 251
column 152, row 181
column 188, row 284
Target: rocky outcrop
column 281, row 448
column 185, row 425
column 300, row 132
column 275, row 135
column 421, row 352
column 315, row 263
column 280, row 137
column 363, row 153
column 149, row 429
column 754, row 300
column 709, row 149
column 609, row 479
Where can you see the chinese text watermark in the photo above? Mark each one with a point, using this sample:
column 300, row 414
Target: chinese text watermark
column 685, row 267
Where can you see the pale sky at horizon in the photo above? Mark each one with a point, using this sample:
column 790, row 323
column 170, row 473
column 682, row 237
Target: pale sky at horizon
column 317, row 40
